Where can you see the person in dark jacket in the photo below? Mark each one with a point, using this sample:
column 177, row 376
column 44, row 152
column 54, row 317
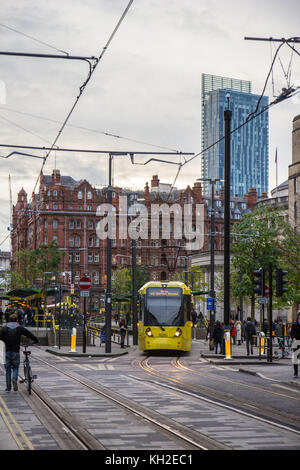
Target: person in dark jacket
column 217, row 335
column 123, row 330
column 250, row 332
column 295, row 336
column 11, row 336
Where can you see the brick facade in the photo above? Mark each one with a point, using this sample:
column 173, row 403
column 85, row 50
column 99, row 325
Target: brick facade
column 66, row 210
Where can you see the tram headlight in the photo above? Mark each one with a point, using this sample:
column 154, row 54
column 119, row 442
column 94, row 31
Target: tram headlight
column 149, row 332
column 178, row 332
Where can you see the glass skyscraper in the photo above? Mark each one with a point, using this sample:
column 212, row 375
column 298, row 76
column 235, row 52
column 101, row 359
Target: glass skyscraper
column 249, row 145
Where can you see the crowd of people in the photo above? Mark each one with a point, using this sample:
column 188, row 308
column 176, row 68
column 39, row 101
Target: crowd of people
column 247, row 330
column 25, row 317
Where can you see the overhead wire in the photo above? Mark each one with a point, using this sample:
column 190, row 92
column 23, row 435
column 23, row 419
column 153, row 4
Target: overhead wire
column 83, row 86
column 33, row 38
column 75, row 126
column 250, row 117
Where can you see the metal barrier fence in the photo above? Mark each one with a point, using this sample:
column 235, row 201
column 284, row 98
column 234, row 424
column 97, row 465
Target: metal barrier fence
column 97, row 332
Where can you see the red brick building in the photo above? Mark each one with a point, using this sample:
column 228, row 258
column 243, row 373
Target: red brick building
column 66, row 210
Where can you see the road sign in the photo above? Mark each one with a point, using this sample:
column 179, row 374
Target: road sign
column 263, row 300
column 267, row 291
column 84, row 293
column 209, row 303
column 85, row 283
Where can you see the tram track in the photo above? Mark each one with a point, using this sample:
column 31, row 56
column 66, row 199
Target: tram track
column 262, row 414
column 188, row 438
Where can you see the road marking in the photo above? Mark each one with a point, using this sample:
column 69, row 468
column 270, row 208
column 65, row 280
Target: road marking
column 18, row 427
column 95, row 367
column 286, row 388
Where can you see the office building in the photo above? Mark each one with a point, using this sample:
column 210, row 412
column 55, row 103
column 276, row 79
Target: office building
column 249, row 144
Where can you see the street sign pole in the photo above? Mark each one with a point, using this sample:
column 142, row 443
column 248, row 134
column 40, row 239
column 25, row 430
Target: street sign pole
column 84, row 325
column 84, row 284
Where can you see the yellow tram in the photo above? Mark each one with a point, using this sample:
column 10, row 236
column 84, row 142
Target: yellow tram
column 165, row 316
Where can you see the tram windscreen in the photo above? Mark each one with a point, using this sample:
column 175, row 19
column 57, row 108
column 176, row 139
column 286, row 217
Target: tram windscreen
column 164, row 307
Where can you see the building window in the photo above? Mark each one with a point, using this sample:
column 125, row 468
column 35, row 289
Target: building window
column 71, row 223
column 71, row 241
column 89, row 195
column 77, row 240
column 55, row 206
column 79, row 195
column 295, row 186
column 77, row 276
column 78, row 223
column 89, row 208
column 95, row 277
column 46, row 223
column 55, row 223
column 55, row 193
column 96, row 257
column 77, row 257
column 90, row 257
column 91, row 241
column 90, row 224
column 45, row 239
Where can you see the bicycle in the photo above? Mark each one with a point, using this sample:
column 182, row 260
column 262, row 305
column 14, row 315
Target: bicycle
column 28, row 376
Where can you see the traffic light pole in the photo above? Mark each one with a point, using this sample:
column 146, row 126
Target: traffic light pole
column 108, row 265
column 134, row 294
column 270, row 352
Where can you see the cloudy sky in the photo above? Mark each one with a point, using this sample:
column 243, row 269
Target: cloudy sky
column 146, row 88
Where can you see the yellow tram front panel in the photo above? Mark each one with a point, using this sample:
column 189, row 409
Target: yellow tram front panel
column 153, row 338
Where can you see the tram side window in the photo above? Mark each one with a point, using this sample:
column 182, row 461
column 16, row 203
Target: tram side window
column 141, row 308
column 187, row 308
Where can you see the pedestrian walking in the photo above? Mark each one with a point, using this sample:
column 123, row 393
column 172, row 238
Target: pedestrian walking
column 123, row 329
column 265, row 327
column 7, row 314
column 295, row 337
column 11, row 336
column 21, row 315
column 238, row 327
column 232, row 332
column 218, row 334
column 250, row 332
column 194, row 317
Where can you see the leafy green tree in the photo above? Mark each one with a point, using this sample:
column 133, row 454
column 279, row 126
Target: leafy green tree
column 32, row 264
column 261, row 237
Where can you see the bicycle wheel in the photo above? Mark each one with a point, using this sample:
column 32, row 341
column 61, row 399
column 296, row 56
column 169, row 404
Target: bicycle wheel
column 28, row 377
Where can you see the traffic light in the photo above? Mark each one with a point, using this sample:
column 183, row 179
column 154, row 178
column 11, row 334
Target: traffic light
column 280, row 281
column 259, row 281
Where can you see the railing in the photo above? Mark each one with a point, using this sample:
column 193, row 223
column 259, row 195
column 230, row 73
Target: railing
column 95, row 331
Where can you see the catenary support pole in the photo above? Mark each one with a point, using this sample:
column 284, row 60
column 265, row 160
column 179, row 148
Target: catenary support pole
column 227, row 119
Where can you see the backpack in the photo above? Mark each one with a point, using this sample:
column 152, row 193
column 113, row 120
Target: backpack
column 250, row 328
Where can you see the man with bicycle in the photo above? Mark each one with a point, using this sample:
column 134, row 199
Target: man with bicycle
column 11, row 335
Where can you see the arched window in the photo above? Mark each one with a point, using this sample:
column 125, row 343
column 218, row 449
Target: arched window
column 71, row 241
column 77, row 240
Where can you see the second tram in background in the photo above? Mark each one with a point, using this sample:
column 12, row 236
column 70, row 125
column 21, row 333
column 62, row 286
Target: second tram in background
column 165, row 317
